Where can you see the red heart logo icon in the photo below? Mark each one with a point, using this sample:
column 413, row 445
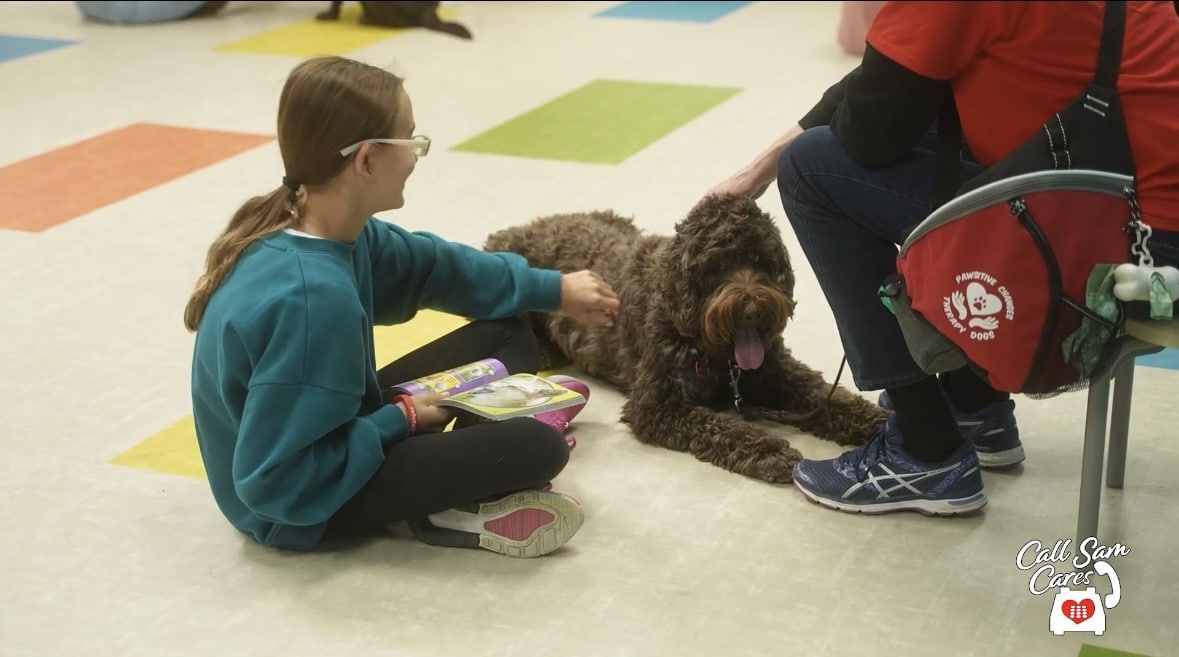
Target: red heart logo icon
column 1078, row 611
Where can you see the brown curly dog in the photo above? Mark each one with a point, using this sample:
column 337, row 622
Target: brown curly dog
column 700, row 310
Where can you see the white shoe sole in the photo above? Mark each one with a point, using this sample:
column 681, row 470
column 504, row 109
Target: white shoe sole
column 1004, row 459
column 526, row 525
column 955, row 507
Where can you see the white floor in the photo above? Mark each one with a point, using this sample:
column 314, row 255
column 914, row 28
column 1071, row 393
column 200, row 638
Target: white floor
column 676, row 558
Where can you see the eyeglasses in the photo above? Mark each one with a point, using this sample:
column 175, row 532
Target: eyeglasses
column 420, row 145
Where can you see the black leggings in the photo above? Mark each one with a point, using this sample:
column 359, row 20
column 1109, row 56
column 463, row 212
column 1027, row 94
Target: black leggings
column 430, row 473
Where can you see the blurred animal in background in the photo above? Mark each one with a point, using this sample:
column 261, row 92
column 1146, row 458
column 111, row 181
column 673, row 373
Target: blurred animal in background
column 400, row 15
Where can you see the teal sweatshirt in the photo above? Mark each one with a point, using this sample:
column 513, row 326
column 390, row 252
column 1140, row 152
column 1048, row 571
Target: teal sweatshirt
column 289, row 417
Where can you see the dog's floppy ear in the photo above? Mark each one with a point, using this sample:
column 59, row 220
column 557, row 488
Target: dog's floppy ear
column 712, row 230
column 674, row 286
column 775, row 252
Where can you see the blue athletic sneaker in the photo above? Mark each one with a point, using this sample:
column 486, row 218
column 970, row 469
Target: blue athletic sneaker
column 992, row 430
column 881, row 477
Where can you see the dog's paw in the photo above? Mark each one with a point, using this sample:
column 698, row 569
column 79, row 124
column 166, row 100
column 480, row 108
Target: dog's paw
column 773, row 463
column 776, row 466
column 849, row 422
column 747, row 450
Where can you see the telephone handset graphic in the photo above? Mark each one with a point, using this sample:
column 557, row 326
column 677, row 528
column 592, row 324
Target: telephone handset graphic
column 1084, row 611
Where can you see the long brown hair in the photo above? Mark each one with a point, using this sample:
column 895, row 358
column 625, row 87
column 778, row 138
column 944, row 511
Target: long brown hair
column 327, row 104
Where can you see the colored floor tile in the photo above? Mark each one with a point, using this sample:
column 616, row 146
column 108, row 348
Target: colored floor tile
column 108, row 168
column 171, row 451
column 603, row 122
column 1167, row 359
column 686, row 12
column 15, row 47
column 312, row 37
column 1094, row 651
column 174, row 450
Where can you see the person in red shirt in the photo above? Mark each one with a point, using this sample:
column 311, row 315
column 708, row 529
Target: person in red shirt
column 857, row 174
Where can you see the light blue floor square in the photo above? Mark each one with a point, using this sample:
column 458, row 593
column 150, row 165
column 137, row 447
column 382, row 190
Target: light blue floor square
column 1167, row 359
column 15, row 47
column 688, row 12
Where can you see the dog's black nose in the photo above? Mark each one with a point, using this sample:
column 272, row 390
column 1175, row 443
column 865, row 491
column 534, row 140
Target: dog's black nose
column 751, row 313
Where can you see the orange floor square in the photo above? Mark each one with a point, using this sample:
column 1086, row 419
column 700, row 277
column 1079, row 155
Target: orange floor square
column 53, row 188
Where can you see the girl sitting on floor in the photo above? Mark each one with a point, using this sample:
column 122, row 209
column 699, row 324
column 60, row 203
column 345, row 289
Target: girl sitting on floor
column 300, row 444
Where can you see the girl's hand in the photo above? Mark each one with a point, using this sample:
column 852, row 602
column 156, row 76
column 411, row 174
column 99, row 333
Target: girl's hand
column 588, row 299
column 430, row 418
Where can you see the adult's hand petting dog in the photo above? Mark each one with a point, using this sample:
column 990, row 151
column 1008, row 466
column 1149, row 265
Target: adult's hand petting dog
column 756, row 177
column 748, row 182
column 588, row 299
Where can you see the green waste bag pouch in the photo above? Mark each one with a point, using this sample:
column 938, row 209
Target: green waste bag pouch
column 1085, row 348
column 1161, row 305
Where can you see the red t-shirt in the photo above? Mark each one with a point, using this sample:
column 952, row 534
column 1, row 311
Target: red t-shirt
column 1014, row 64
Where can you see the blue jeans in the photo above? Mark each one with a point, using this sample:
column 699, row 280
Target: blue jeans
column 849, row 221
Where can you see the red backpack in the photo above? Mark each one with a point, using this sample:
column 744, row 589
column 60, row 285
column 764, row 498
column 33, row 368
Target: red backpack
column 996, row 277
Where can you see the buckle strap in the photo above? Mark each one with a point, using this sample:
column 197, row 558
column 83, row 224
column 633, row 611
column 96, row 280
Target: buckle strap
column 1109, row 56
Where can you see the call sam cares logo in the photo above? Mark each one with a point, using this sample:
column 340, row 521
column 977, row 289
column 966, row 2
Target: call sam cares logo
column 1076, row 606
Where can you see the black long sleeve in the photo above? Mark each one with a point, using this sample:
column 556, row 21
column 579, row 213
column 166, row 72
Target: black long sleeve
column 822, row 112
column 880, row 110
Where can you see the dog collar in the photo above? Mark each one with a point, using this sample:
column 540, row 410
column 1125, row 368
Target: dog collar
column 734, row 377
column 702, row 367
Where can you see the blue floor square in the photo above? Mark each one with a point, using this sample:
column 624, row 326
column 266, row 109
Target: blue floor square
column 1167, row 359
column 15, row 47
column 688, row 12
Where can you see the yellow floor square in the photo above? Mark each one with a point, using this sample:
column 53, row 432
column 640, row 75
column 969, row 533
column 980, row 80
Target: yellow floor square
column 174, row 450
column 312, row 37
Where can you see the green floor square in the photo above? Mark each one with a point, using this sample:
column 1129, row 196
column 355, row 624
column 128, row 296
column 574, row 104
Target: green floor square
column 604, row 122
column 1094, row 651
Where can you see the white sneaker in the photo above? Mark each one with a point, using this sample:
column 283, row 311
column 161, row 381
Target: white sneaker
column 526, row 524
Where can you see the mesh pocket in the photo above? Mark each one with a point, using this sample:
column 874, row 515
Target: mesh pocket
column 1084, row 351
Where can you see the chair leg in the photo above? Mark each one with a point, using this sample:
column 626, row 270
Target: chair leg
column 1092, row 459
column 1119, row 424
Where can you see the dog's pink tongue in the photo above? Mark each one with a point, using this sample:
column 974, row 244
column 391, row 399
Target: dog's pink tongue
column 748, row 349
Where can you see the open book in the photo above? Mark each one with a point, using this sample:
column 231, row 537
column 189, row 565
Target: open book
column 486, row 389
